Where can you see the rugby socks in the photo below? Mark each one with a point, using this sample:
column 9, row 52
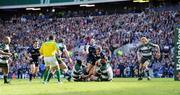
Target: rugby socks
column 58, row 73
column 140, row 73
column 30, row 76
column 68, row 75
column 46, row 75
column 147, row 72
column 5, row 78
column 50, row 76
column 34, row 76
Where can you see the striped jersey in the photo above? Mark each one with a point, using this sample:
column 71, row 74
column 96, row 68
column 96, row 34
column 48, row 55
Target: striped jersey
column 4, row 58
column 146, row 50
column 105, row 70
column 62, row 47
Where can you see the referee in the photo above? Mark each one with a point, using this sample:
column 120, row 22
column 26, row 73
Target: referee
column 49, row 50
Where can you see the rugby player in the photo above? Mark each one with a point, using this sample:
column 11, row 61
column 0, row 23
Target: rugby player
column 92, row 51
column 102, row 70
column 33, row 55
column 145, row 53
column 79, row 71
column 4, row 58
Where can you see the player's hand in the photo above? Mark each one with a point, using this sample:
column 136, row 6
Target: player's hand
column 40, row 57
column 70, row 61
column 158, row 55
column 9, row 54
column 139, row 57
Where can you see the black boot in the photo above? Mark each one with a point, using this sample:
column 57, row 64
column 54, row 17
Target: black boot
column 5, row 80
column 30, row 76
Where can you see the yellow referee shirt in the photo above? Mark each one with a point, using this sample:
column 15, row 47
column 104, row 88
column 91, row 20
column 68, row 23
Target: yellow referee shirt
column 49, row 49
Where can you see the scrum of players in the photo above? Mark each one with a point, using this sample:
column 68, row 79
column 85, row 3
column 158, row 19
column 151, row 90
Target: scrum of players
column 93, row 65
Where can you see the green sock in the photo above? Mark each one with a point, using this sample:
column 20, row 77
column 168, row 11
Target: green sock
column 58, row 73
column 46, row 75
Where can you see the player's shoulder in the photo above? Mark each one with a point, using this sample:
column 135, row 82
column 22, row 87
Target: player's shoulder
column 2, row 45
column 61, row 45
column 151, row 44
column 30, row 48
column 93, row 46
column 49, row 42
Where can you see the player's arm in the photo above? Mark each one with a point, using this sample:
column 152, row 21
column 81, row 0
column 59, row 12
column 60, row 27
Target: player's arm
column 156, row 46
column 27, row 54
column 4, row 53
column 41, row 50
column 139, row 53
column 58, row 52
column 96, row 63
column 158, row 49
column 87, row 49
column 109, row 52
column 158, row 54
column 67, row 54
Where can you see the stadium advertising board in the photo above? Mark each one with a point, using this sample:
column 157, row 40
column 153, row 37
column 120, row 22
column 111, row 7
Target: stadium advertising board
column 177, row 54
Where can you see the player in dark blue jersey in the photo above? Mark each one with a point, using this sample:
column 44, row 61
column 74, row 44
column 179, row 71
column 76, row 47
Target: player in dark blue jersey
column 93, row 54
column 33, row 56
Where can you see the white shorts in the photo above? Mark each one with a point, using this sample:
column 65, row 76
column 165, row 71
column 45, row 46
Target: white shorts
column 50, row 61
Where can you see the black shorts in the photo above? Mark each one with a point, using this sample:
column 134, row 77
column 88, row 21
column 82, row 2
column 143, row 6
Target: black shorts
column 91, row 59
column 35, row 62
column 144, row 59
column 3, row 65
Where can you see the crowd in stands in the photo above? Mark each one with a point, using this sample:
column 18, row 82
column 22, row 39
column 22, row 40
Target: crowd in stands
column 111, row 31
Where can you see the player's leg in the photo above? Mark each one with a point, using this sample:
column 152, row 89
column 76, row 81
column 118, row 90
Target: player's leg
column 95, row 74
column 46, row 73
column 94, row 71
column 47, row 62
column 53, row 71
column 110, row 73
column 106, row 74
column 140, row 71
column 89, row 64
column 57, row 68
column 58, row 73
column 90, row 67
column 146, row 69
column 5, row 74
column 141, row 68
column 64, row 67
column 66, row 71
column 36, row 69
column 32, row 70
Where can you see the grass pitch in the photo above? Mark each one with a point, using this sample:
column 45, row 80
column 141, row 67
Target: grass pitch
column 119, row 86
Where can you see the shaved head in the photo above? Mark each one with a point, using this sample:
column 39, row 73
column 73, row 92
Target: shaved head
column 7, row 40
column 144, row 40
